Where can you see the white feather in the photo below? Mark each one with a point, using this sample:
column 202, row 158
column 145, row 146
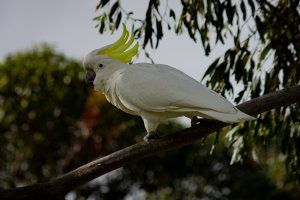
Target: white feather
column 158, row 92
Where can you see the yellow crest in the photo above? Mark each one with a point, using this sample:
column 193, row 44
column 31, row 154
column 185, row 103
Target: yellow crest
column 120, row 49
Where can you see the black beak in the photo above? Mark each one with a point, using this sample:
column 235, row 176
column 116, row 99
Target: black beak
column 90, row 76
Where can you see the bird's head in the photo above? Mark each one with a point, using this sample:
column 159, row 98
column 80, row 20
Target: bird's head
column 107, row 59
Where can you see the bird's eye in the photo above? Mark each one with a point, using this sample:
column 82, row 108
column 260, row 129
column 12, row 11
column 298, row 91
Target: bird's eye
column 100, row 65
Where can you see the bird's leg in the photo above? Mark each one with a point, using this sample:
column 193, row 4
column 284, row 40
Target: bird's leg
column 151, row 136
column 151, row 127
column 194, row 121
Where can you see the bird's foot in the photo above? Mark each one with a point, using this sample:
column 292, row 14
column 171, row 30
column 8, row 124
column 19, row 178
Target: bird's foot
column 195, row 121
column 151, row 136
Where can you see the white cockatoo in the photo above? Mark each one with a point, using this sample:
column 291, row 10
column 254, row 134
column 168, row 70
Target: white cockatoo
column 155, row 92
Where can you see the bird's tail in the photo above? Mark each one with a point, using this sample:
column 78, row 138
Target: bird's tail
column 239, row 116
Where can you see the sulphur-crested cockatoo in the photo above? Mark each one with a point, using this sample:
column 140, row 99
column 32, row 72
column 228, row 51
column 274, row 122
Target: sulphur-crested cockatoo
column 155, row 92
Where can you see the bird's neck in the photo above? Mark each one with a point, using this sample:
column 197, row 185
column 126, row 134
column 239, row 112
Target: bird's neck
column 109, row 75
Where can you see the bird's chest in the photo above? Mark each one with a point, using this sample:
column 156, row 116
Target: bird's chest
column 112, row 97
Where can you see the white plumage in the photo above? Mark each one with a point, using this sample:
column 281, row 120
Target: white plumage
column 156, row 92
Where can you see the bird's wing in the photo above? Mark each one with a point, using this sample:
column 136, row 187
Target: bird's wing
column 160, row 88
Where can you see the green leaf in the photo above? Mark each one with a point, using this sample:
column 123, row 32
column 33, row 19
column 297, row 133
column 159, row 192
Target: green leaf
column 119, row 17
column 243, row 9
column 155, row 3
column 101, row 4
column 159, row 32
column 102, row 26
column 265, row 51
column 239, row 71
column 113, row 10
column 188, row 26
column 172, row 14
column 230, row 10
column 211, row 68
column 148, row 33
column 255, row 92
column 245, row 59
column 232, row 54
column 252, row 6
column 207, row 49
column 260, row 28
column 148, row 26
column 240, row 96
column 219, row 73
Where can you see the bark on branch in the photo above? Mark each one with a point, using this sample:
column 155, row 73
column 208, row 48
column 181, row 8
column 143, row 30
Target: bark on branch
column 59, row 187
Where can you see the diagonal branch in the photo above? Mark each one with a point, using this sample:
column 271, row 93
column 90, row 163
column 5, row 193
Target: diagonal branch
column 57, row 188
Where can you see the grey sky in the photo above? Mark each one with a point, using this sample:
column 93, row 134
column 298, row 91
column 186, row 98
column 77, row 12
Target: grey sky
column 68, row 25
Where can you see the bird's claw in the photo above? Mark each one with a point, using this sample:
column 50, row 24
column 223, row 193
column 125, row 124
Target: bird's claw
column 150, row 137
column 195, row 121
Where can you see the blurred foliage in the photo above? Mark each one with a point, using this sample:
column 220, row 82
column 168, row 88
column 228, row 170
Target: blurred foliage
column 63, row 124
column 193, row 173
column 47, row 116
column 37, row 121
column 263, row 56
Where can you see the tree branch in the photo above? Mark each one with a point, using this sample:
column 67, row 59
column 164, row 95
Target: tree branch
column 59, row 187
